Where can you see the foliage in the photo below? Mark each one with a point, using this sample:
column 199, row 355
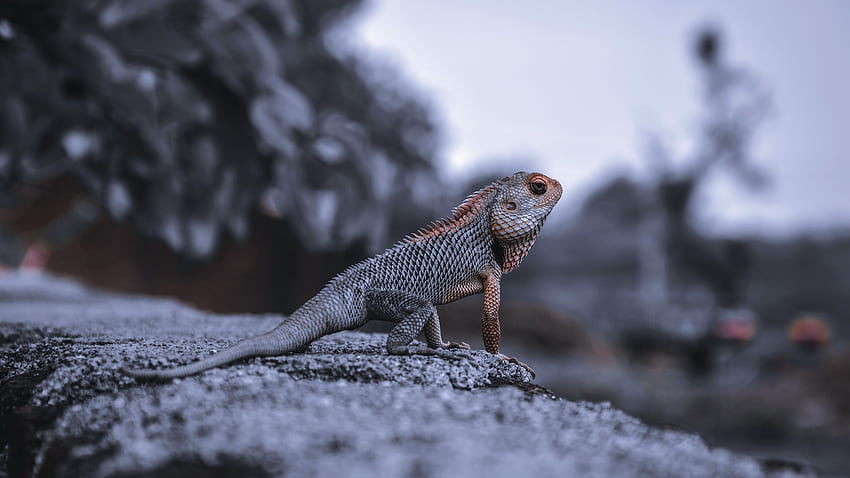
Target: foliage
column 183, row 115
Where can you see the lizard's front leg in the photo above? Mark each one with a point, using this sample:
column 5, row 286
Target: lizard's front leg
column 490, row 329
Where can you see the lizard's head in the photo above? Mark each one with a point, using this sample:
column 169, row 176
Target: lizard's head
column 522, row 203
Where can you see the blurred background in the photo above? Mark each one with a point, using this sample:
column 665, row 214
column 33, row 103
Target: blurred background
column 237, row 154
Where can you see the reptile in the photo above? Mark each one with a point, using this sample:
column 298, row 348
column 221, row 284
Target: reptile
column 466, row 253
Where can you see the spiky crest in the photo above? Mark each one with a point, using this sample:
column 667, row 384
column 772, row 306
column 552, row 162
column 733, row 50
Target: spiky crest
column 461, row 215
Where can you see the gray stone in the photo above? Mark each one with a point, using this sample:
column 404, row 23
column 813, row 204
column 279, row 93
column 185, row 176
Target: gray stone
column 342, row 408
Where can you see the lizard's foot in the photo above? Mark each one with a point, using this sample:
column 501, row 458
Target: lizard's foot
column 454, row 345
column 514, row 360
column 421, row 350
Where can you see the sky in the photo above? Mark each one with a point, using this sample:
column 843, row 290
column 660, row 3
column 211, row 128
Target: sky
column 573, row 88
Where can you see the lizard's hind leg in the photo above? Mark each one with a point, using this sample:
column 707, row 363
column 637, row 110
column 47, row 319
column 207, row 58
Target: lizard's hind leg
column 411, row 314
column 434, row 336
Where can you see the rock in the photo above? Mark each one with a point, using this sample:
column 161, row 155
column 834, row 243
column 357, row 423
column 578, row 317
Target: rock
column 342, row 407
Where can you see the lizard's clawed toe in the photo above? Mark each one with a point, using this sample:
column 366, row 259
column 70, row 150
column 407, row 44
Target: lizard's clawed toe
column 420, row 350
column 515, row 361
column 456, row 345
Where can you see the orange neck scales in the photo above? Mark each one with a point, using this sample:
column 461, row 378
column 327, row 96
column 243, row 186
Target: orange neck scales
column 515, row 252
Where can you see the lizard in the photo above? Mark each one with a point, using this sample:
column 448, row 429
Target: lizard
column 465, row 253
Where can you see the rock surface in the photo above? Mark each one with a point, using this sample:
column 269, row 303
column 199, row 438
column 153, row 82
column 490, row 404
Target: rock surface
column 343, row 407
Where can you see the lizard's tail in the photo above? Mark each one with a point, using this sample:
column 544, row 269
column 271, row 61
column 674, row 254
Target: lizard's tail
column 292, row 334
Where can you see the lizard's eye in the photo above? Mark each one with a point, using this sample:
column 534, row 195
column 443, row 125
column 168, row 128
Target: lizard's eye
column 538, row 188
column 510, row 206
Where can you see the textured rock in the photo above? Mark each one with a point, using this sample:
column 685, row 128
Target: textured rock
column 343, row 407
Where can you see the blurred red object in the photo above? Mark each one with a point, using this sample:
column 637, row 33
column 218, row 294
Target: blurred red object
column 736, row 326
column 36, row 257
column 809, row 331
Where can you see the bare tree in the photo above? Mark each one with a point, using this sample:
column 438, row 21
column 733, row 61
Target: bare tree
column 735, row 105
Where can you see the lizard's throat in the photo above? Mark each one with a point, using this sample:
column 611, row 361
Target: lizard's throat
column 509, row 254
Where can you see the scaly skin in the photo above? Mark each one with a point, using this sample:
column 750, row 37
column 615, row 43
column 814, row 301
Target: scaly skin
column 486, row 236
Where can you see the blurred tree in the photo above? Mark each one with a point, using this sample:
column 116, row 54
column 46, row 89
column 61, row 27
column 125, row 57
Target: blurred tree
column 735, row 105
column 182, row 116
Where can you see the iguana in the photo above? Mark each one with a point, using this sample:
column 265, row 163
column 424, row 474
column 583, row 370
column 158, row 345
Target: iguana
column 466, row 253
